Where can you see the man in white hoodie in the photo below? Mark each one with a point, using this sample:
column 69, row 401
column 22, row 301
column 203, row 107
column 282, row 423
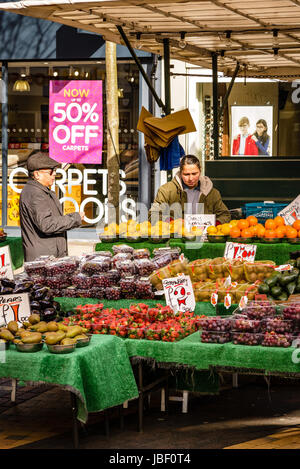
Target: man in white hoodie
column 188, row 192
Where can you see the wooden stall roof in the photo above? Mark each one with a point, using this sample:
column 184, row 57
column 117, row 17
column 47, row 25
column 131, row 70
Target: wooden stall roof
column 262, row 36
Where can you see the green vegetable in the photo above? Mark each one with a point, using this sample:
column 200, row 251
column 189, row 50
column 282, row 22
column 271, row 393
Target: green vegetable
column 276, row 291
column 282, row 297
column 288, row 277
column 291, row 288
column 273, row 279
column 263, row 289
column 297, row 289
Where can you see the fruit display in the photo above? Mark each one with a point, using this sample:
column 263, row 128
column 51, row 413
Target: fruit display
column 247, row 338
column 161, row 230
column 259, row 323
column 242, row 323
column 280, row 285
column 245, row 230
column 139, row 321
column 258, row 270
column 214, row 337
column 198, row 270
column 34, row 332
column 215, row 323
column 273, row 339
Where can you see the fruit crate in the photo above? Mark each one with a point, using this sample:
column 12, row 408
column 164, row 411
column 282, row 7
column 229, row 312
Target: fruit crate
column 262, row 210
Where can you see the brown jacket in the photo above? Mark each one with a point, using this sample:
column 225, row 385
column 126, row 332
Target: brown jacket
column 43, row 225
column 173, row 194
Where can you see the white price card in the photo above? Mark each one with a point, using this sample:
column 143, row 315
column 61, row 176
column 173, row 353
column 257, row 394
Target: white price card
column 199, row 221
column 6, row 270
column 179, row 293
column 291, row 212
column 14, row 307
column 245, row 252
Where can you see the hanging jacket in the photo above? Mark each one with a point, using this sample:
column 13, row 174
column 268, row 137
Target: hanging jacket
column 173, row 194
column 43, row 225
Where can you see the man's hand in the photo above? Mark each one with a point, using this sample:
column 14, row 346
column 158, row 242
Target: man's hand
column 82, row 214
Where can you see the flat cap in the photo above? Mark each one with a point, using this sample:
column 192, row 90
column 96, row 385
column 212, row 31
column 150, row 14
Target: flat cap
column 41, row 160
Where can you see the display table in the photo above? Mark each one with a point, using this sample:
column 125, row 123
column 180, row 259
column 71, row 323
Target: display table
column 16, row 251
column 100, row 375
column 201, row 356
column 279, row 253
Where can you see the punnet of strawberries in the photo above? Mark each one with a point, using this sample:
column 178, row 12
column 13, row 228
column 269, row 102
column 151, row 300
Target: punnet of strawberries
column 139, row 321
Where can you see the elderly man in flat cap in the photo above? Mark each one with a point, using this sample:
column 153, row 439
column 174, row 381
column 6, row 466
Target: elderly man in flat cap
column 43, row 225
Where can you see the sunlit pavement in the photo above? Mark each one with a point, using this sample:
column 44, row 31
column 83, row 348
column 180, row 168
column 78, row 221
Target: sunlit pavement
column 252, row 416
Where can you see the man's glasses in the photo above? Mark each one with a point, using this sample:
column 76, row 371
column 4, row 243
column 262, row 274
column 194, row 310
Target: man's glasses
column 48, row 171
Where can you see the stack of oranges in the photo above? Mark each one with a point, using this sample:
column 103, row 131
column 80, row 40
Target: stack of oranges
column 273, row 228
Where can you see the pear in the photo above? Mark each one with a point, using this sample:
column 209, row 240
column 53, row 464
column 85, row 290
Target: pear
column 32, row 338
column 62, row 327
column 6, row 335
column 81, row 337
column 42, row 327
column 73, row 331
column 52, row 326
column 54, row 338
column 34, row 318
column 68, row 341
column 12, row 326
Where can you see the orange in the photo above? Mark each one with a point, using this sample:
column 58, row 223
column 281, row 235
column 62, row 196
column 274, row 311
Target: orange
column 235, row 232
column 299, row 234
column 296, row 224
column 246, row 233
column 280, row 231
column 279, row 220
column 251, row 230
column 270, row 234
column 252, row 220
column 260, row 231
column 254, row 230
column 270, row 224
column 291, row 232
column 242, row 224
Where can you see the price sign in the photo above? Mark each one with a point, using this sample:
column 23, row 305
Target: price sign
column 6, row 270
column 199, row 221
column 291, row 212
column 76, row 121
column 245, row 252
column 179, row 293
column 14, row 307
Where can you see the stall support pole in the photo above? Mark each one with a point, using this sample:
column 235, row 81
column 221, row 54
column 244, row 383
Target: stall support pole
column 75, row 423
column 167, row 84
column 4, row 101
column 225, row 100
column 215, row 133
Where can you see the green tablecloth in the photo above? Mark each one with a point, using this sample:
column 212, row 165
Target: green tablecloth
column 192, row 352
column 100, row 375
column 16, row 251
column 279, row 253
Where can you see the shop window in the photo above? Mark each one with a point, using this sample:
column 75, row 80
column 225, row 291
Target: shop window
column 28, row 130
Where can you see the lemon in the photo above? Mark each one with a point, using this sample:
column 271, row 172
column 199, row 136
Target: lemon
column 212, row 230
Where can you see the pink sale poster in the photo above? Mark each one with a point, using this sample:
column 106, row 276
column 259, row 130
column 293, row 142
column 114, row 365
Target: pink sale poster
column 76, row 121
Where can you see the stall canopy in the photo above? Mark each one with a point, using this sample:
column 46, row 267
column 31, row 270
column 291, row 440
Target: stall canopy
column 262, row 37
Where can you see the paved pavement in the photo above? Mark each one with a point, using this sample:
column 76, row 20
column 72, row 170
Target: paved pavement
column 255, row 415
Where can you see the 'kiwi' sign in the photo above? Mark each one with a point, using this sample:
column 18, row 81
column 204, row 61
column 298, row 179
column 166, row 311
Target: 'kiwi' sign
column 14, row 307
column 6, row 270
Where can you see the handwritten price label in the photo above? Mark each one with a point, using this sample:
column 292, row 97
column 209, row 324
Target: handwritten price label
column 6, row 270
column 245, row 252
column 14, row 307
